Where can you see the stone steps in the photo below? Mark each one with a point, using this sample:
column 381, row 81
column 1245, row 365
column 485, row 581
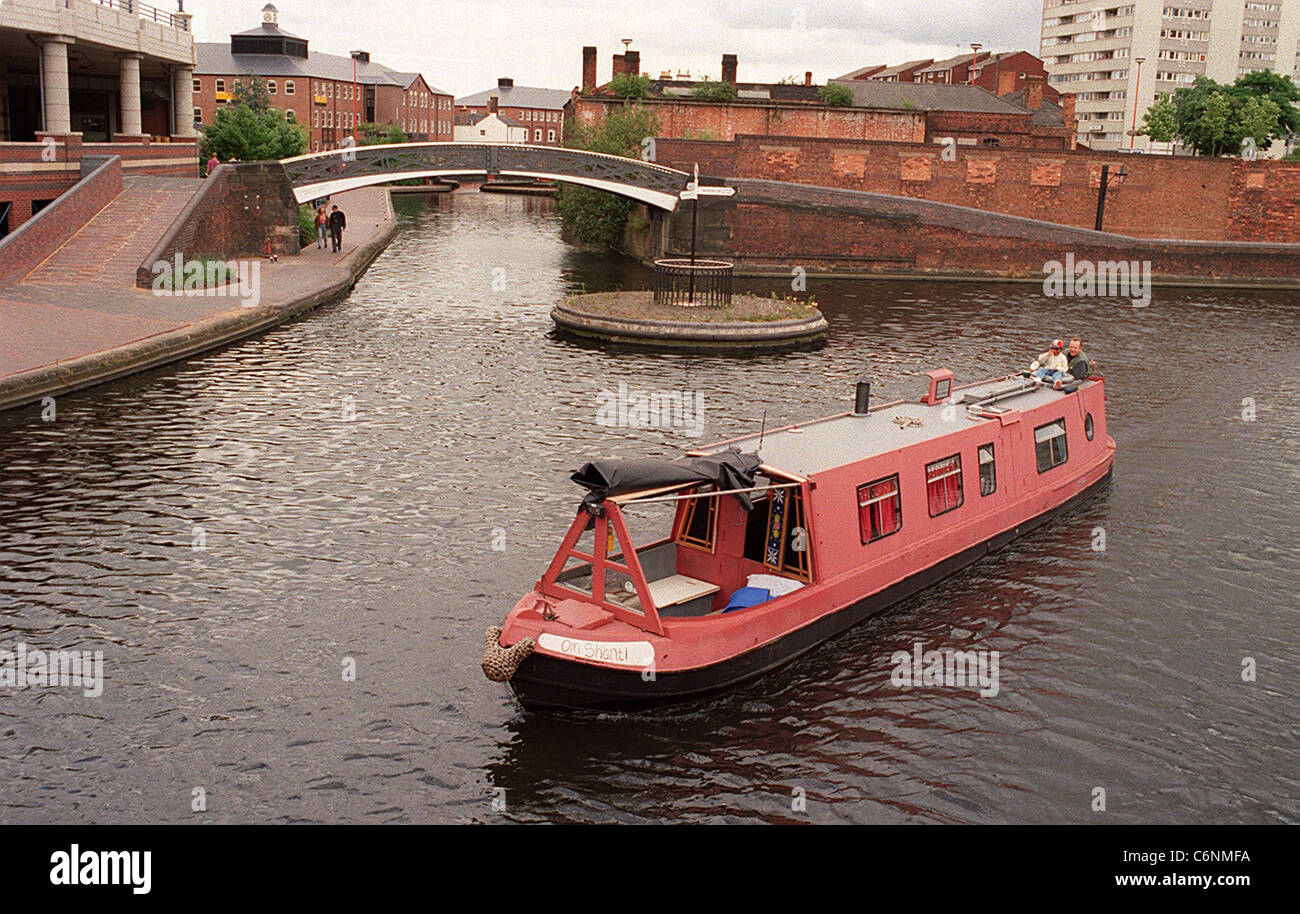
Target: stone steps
column 108, row 248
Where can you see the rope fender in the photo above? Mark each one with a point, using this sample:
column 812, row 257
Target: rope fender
column 500, row 663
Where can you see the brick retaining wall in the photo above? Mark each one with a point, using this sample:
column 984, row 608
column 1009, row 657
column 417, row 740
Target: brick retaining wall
column 22, row 250
column 1171, row 197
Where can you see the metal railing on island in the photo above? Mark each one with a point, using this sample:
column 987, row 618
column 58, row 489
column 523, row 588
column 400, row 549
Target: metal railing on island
column 693, row 283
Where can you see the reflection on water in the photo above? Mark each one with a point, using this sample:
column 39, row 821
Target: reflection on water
column 347, row 475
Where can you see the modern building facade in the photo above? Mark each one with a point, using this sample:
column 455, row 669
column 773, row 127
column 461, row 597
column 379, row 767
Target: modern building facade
column 329, row 94
column 80, row 77
column 1117, row 56
column 541, row 111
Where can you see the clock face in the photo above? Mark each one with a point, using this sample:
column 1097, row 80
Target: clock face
column 268, row 17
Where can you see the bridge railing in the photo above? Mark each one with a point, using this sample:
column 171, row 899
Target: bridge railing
column 693, row 284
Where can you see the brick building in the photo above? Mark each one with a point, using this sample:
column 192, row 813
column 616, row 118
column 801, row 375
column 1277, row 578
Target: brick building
column 541, row 111
column 991, row 72
column 887, row 110
column 80, row 78
column 329, row 94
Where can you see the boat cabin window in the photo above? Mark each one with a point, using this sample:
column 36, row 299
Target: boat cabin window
column 756, row 530
column 1087, row 426
column 988, row 470
column 699, row 522
column 1049, row 444
column 880, row 512
column 943, row 485
column 785, row 549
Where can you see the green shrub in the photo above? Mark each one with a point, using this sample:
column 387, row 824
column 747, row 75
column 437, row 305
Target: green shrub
column 216, row 269
column 596, row 216
column 709, row 90
column 630, row 85
column 306, row 224
column 835, row 95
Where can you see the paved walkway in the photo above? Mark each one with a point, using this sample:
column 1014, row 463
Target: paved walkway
column 81, row 305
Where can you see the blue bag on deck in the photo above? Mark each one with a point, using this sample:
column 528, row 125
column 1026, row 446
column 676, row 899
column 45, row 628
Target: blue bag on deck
column 747, row 596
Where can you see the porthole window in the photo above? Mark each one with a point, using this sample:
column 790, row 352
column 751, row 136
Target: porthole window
column 1087, row 426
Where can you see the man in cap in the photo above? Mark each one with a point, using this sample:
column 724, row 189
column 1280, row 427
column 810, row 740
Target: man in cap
column 1051, row 366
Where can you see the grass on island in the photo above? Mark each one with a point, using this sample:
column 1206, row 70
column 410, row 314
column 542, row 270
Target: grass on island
column 639, row 305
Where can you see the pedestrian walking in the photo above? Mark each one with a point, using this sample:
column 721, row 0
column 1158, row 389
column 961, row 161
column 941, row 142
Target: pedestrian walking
column 212, row 164
column 338, row 222
column 322, row 227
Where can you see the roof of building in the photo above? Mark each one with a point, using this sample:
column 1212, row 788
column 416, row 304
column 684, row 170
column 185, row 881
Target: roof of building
column 213, row 58
column 940, row 65
column 519, row 97
column 787, row 92
column 270, row 28
column 824, row 444
column 927, row 97
column 1049, row 114
column 910, row 65
column 862, row 71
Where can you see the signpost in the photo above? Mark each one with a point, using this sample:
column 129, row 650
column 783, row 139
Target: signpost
column 693, row 192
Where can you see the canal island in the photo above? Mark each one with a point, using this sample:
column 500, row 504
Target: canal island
column 785, row 539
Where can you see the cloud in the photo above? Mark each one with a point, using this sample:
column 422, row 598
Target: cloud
column 464, row 46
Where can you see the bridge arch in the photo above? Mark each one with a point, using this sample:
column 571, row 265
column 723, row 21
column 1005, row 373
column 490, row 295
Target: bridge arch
column 323, row 173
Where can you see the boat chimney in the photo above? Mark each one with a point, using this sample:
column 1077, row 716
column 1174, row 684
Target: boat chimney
column 862, row 401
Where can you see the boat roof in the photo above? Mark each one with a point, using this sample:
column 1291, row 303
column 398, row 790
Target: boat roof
column 836, row 441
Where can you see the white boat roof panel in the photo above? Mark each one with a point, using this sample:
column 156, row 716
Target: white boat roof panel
column 836, row 441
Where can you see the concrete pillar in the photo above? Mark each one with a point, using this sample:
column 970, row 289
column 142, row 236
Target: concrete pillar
column 54, row 64
column 183, row 102
column 129, row 88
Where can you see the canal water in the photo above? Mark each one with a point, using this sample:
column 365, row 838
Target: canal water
column 371, row 486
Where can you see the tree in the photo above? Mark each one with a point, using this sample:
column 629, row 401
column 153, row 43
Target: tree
column 836, row 95
column 596, row 216
column 249, row 135
column 1279, row 89
column 1215, row 119
column 372, row 134
column 712, row 91
column 251, row 91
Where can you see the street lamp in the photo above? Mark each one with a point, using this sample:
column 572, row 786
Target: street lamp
column 356, row 55
column 1104, row 186
column 974, row 59
column 1137, row 84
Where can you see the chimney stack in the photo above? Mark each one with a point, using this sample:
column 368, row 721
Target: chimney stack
column 492, row 104
column 1067, row 114
column 588, row 68
column 633, row 63
column 729, row 68
column 807, row 78
column 1007, row 81
column 1033, row 92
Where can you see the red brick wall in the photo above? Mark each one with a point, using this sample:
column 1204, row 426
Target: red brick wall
column 22, row 250
column 239, row 208
column 773, row 226
column 688, row 118
column 1162, row 197
column 47, row 180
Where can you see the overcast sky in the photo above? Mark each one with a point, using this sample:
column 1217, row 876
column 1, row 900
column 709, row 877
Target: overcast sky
column 462, row 47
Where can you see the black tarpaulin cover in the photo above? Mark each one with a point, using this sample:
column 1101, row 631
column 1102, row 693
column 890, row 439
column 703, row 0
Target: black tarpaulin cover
column 728, row 470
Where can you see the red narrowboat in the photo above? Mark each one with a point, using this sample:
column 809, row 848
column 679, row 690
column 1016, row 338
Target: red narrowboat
column 785, row 539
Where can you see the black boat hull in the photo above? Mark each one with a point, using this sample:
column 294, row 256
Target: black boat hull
column 546, row 682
